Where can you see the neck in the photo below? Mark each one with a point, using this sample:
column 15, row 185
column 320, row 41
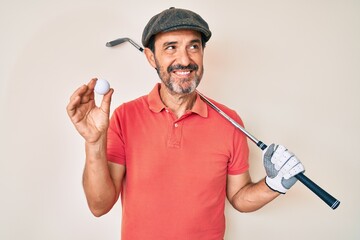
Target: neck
column 177, row 103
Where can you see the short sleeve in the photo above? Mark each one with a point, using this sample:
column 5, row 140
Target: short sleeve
column 239, row 161
column 115, row 142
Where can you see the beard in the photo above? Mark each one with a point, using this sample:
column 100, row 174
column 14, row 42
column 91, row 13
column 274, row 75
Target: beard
column 179, row 85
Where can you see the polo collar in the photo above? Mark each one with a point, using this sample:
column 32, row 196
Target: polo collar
column 156, row 105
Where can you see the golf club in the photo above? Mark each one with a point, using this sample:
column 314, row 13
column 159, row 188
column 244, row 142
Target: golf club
column 122, row 40
column 321, row 193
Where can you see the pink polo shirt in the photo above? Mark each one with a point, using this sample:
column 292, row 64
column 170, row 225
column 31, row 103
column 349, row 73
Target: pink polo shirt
column 176, row 169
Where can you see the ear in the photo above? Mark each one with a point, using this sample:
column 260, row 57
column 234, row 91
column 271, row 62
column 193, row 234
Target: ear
column 150, row 57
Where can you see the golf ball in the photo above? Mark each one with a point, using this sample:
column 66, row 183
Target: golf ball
column 102, row 86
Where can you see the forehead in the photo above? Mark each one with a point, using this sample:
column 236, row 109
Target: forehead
column 177, row 36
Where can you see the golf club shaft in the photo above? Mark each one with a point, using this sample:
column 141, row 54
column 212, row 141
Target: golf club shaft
column 136, row 45
column 321, row 193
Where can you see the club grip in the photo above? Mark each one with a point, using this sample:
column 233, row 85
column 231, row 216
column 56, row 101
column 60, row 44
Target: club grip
column 321, row 193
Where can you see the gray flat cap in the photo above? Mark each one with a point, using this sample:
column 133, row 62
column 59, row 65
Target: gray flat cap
column 175, row 19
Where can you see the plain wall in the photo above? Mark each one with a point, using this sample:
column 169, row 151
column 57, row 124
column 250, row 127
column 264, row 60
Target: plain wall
column 291, row 69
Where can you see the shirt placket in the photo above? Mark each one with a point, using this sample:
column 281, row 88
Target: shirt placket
column 175, row 130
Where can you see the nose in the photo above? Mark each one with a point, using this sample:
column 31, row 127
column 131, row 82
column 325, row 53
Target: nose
column 183, row 57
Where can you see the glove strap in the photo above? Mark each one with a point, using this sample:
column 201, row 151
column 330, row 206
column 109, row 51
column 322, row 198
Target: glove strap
column 271, row 183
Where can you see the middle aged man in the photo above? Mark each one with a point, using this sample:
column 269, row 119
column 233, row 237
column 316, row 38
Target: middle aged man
column 173, row 159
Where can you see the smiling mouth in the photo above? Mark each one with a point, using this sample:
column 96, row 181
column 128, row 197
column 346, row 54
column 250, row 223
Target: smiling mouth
column 182, row 73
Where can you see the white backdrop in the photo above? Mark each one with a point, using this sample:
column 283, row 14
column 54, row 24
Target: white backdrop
column 289, row 68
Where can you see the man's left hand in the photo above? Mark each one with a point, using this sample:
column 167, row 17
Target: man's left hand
column 281, row 168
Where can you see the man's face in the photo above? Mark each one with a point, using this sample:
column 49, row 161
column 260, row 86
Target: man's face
column 179, row 60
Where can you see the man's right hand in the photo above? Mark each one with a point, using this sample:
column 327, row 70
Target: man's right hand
column 89, row 120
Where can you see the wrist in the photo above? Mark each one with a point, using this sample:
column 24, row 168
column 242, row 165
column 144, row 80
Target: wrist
column 96, row 149
column 100, row 140
column 275, row 185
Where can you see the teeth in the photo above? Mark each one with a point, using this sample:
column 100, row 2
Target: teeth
column 183, row 73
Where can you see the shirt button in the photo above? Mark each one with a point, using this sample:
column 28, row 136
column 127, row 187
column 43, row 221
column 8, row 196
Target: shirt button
column 176, row 125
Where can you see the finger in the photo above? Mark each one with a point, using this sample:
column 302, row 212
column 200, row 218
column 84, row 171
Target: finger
column 290, row 164
column 269, row 151
column 89, row 94
column 295, row 170
column 106, row 101
column 75, row 100
column 79, row 92
column 278, row 154
column 91, row 85
column 81, row 95
column 72, row 106
column 282, row 159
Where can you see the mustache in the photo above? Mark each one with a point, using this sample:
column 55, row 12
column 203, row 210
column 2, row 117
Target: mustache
column 191, row 66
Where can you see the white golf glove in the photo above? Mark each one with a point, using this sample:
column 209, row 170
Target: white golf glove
column 281, row 166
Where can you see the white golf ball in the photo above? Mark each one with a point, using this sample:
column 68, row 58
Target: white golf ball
column 102, row 86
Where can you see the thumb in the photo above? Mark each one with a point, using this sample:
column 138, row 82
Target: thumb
column 106, row 101
column 268, row 152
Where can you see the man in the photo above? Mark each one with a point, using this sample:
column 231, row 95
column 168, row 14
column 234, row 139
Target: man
column 172, row 158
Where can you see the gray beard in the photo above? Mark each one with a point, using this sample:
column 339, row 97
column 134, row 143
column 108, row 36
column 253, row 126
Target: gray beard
column 176, row 87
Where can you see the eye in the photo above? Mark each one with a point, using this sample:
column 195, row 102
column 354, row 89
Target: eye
column 194, row 47
column 170, row 47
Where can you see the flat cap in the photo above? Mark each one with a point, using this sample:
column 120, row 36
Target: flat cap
column 175, row 19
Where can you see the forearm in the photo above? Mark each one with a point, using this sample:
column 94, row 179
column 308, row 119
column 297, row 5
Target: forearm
column 253, row 196
column 97, row 182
